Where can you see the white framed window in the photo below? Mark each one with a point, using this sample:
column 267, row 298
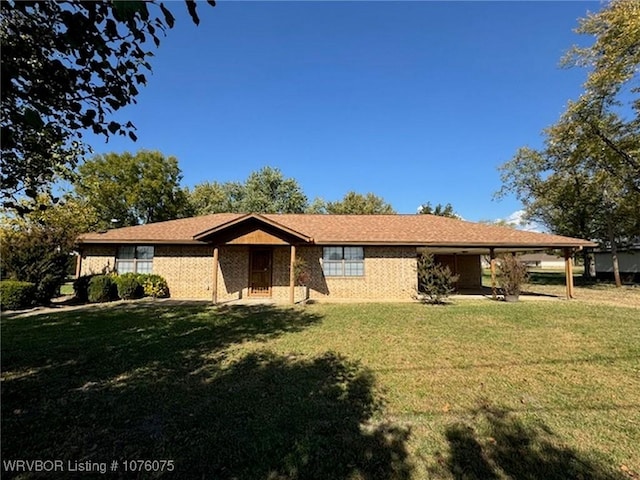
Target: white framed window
column 343, row 261
column 134, row 259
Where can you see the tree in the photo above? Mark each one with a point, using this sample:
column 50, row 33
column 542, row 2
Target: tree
column 613, row 61
column 585, row 182
column 207, row 197
column 267, row 191
column 37, row 247
column 317, row 206
column 132, row 189
column 439, row 210
column 66, row 67
column 356, row 203
column 264, row 191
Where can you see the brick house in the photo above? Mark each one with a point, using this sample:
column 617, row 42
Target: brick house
column 224, row 257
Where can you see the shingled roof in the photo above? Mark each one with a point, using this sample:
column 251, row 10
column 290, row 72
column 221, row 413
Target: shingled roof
column 419, row 230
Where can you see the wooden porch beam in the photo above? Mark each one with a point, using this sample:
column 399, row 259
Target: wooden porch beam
column 568, row 272
column 214, row 282
column 292, row 280
column 492, row 256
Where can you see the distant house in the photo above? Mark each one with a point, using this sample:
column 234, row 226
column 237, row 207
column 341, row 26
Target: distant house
column 224, row 257
column 542, row 260
column 628, row 262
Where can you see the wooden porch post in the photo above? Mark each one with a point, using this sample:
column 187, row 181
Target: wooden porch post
column 492, row 256
column 292, row 280
column 214, row 283
column 79, row 264
column 568, row 272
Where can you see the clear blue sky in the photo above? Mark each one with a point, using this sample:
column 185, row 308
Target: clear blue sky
column 413, row 101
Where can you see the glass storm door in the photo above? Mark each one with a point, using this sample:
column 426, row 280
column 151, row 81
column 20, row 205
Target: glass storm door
column 260, row 273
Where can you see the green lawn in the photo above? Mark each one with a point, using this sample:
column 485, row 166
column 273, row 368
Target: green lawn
column 543, row 389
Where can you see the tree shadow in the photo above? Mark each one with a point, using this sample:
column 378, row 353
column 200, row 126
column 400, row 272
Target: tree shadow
column 497, row 444
column 171, row 382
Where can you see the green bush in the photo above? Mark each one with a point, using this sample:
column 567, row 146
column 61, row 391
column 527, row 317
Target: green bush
column 81, row 287
column 129, row 286
column 101, row 289
column 34, row 255
column 435, row 282
column 154, row 285
column 15, row 295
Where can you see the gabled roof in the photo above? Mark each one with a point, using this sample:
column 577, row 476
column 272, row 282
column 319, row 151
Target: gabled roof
column 419, row 230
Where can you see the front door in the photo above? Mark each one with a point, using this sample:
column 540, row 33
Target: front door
column 260, row 273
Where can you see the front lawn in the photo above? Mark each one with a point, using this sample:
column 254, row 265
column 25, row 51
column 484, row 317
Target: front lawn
column 478, row 389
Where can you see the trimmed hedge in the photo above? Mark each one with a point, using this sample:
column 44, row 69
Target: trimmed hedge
column 15, row 295
column 129, row 286
column 101, row 289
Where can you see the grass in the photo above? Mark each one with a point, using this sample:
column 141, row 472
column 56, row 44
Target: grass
column 472, row 390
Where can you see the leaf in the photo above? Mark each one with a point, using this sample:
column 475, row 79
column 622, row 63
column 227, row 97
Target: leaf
column 113, row 127
column 32, row 119
column 191, row 6
column 168, row 17
column 133, row 136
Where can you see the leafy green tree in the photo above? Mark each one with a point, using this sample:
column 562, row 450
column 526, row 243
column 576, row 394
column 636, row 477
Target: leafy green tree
column 268, row 191
column 585, row 182
column 317, row 206
column 610, row 106
column 132, row 189
column 67, row 67
column 38, row 246
column 215, row 197
column 264, row 191
column 439, row 210
column 356, row 203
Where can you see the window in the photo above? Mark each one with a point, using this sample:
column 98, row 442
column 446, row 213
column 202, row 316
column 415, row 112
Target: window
column 343, row 261
column 131, row 259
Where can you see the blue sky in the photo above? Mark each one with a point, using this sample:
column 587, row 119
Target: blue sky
column 413, row 101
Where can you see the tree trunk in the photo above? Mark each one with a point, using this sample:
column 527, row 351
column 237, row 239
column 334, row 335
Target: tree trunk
column 587, row 261
column 614, row 256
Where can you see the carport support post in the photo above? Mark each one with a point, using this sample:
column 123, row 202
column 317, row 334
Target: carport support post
column 568, row 272
column 292, row 280
column 492, row 263
column 214, row 282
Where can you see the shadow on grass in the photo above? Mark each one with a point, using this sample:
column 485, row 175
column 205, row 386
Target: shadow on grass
column 163, row 382
column 499, row 445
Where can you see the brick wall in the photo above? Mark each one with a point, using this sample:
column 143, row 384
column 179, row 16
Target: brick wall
column 98, row 259
column 389, row 272
column 187, row 269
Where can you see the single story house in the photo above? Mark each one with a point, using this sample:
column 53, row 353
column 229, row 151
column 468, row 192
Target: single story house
column 229, row 256
column 539, row 260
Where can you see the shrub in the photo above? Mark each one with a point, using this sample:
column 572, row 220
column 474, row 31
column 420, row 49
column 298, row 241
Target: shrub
column 512, row 274
column 154, row 285
column 81, row 287
column 15, row 295
column 34, row 255
column 101, row 289
column 128, row 286
column 435, row 282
